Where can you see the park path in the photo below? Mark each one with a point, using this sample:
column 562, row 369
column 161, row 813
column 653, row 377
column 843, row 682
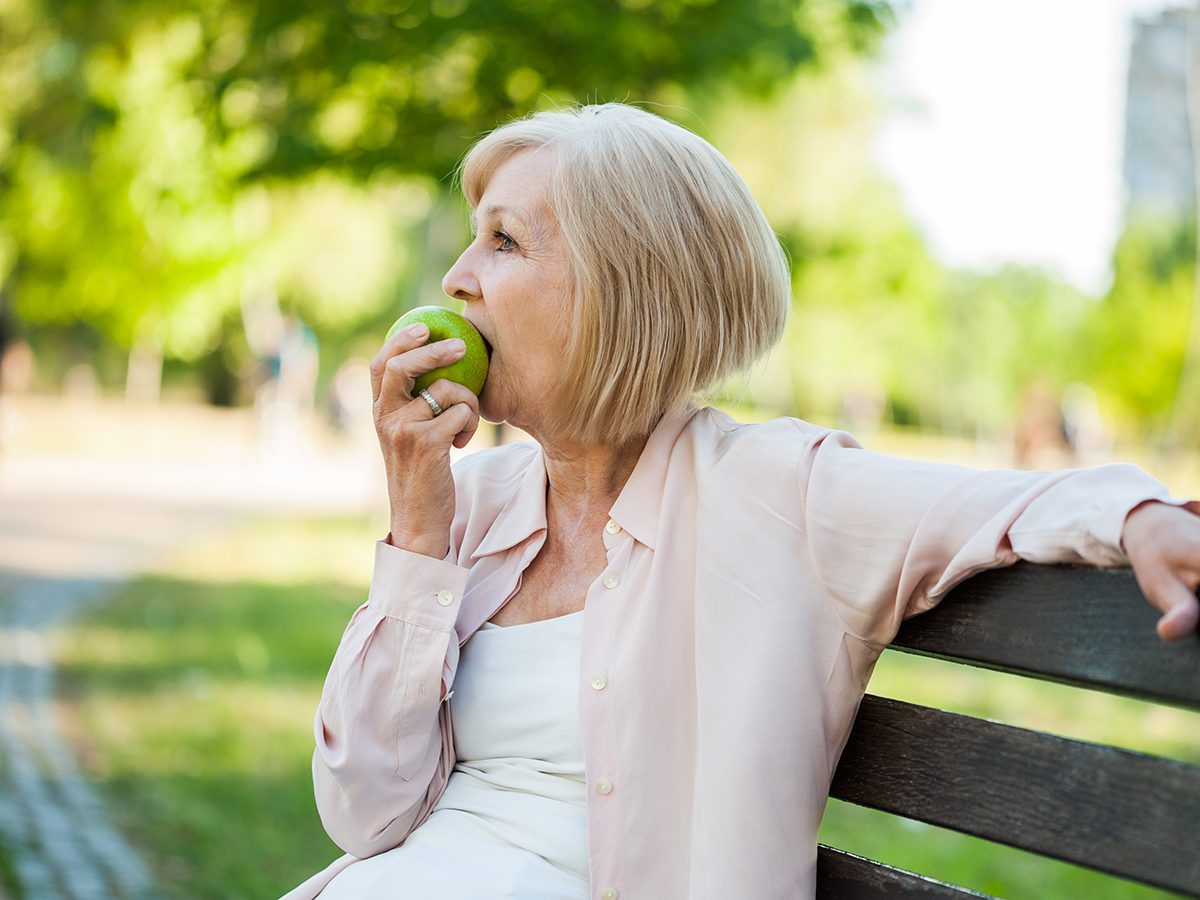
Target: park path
column 73, row 528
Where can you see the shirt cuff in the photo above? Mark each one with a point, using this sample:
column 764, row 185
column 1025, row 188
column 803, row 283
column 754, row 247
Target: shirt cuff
column 1108, row 529
column 415, row 588
column 1192, row 506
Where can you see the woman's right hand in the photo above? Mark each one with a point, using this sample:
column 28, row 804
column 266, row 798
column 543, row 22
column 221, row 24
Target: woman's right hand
column 415, row 444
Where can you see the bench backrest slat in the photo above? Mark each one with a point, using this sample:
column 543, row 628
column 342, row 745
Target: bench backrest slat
column 1073, row 624
column 844, row 876
column 1112, row 810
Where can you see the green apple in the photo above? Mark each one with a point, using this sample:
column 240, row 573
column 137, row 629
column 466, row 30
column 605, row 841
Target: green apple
column 471, row 370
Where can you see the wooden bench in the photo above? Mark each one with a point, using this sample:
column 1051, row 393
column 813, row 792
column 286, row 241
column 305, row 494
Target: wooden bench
column 1128, row 814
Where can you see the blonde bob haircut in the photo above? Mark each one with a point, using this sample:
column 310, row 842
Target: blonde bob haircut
column 678, row 280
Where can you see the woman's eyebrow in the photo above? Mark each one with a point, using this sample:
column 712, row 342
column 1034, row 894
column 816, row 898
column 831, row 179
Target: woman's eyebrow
column 497, row 209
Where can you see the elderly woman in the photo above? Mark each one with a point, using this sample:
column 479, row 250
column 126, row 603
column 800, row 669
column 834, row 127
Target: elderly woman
column 621, row 661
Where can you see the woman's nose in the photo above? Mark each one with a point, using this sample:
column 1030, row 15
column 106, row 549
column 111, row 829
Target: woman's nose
column 460, row 282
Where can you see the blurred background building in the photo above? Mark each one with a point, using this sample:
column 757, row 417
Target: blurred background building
column 1159, row 165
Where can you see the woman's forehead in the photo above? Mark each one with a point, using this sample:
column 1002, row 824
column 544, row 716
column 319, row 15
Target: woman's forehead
column 519, row 188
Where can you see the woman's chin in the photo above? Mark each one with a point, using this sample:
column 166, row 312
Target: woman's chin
column 496, row 405
column 488, row 409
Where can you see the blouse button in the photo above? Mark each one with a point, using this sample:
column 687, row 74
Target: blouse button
column 612, row 527
column 611, row 580
column 445, row 598
column 604, row 786
column 598, row 682
column 608, row 894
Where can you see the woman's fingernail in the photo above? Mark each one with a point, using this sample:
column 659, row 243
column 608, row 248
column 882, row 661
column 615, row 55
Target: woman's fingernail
column 1172, row 623
column 456, row 345
column 417, row 330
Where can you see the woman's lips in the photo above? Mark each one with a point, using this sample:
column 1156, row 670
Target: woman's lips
column 486, row 343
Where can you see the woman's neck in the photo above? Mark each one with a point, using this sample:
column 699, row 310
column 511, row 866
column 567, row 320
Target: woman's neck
column 583, row 482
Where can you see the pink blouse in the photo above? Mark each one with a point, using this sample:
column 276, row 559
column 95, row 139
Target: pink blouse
column 755, row 573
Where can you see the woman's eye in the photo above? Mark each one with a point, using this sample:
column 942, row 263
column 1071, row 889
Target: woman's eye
column 503, row 241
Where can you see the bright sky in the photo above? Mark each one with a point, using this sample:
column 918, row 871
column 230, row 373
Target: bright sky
column 1006, row 129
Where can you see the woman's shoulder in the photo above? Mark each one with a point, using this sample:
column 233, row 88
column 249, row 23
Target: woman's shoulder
column 727, row 454
column 783, row 437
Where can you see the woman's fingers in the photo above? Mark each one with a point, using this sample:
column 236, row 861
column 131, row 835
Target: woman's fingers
column 455, row 425
column 401, row 371
column 1183, row 613
column 460, row 412
column 402, row 341
column 1163, row 543
column 1174, row 595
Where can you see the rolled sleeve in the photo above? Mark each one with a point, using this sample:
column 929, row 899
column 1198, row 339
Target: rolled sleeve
column 890, row 537
column 1082, row 518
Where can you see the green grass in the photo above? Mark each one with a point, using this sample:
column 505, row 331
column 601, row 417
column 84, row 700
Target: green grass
column 190, row 699
column 9, row 884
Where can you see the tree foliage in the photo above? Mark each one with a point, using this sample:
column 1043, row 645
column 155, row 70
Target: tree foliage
column 159, row 161
column 165, row 167
column 1136, row 338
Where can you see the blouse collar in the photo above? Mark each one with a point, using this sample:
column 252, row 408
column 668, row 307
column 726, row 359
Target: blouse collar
column 636, row 508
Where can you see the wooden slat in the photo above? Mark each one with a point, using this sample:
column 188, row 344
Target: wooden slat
column 844, row 876
column 1073, row 624
column 1119, row 812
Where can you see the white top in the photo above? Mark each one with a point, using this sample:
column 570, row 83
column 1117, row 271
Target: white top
column 513, row 819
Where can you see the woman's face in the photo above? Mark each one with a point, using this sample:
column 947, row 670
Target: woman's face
column 514, row 280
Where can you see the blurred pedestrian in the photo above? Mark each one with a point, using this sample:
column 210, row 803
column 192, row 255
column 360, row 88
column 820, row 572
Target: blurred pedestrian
column 1040, row 439
column 286, row 397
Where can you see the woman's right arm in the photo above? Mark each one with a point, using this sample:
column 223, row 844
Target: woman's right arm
column 378, row 739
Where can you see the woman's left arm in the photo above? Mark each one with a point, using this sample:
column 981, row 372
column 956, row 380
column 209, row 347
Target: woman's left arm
column 888, row 538
column 1163, row 545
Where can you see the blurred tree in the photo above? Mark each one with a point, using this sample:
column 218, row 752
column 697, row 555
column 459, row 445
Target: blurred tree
column 1136, row 337
column 867, row 292
column 408, row 85
column 163, row 164
column 880, row 328
column 1009, row 328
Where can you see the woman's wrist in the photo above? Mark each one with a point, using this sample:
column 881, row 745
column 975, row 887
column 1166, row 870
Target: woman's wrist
column 423, row 546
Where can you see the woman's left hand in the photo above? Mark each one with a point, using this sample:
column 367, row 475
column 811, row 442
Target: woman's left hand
column 1163, row 546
